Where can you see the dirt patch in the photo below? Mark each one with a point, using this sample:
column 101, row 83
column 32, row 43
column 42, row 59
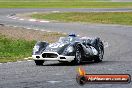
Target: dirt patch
column 29, row 34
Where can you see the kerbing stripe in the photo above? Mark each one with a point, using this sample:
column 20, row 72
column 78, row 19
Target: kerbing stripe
column 55, row 11
column 29, row 60
column 33, row 20
column 43, row 21
column 21, row 19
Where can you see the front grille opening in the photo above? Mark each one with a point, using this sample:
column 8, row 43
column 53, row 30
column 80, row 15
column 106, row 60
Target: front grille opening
column 49, row 55
column 62, row 58
column 37, row 56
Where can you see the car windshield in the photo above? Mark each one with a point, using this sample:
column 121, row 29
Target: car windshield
column 68, row 39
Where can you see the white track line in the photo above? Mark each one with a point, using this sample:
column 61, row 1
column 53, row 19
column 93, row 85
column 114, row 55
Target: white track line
column 33, row 20
column 44, row 21
column 21, row 19
column 55, row 11
column 28, row 28
column 53, row 82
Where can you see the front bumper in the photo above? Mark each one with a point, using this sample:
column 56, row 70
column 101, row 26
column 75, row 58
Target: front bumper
column 58, row 58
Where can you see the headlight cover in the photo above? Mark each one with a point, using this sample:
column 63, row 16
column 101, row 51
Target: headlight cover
column 70, row 49
column 35, row 49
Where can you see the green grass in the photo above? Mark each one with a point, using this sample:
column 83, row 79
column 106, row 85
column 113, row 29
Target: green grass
column 124, row 18
column 65, row 4
column 13, row 50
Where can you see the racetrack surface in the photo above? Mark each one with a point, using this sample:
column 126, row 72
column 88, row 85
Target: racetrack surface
column 117, row 58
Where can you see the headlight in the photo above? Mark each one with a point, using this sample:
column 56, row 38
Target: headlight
column 70, row 49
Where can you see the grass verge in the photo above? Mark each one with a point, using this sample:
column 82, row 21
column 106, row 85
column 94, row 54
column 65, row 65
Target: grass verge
column 16, row 48
column 124, row 18
column 13, row 50
column 65, row 4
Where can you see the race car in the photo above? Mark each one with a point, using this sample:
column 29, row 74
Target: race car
column 71, row 48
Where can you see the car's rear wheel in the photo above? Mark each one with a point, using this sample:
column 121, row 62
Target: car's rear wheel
column 99, row 57
column 39, row 62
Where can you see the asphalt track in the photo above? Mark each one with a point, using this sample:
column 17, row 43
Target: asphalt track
column 117, row 58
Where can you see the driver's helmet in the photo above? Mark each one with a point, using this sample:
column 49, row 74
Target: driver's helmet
column 72, row 35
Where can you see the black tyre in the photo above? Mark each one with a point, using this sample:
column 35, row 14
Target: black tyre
column 78, row 55
column 39, row 62
column 100, row 55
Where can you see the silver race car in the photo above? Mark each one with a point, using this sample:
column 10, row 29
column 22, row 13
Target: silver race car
column 69, row 49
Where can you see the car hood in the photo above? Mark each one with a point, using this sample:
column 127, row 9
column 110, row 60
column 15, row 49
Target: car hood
column 58, row 47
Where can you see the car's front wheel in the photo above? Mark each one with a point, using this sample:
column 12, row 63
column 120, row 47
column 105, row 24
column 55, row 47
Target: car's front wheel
column 78, row 55
column 39, row 62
